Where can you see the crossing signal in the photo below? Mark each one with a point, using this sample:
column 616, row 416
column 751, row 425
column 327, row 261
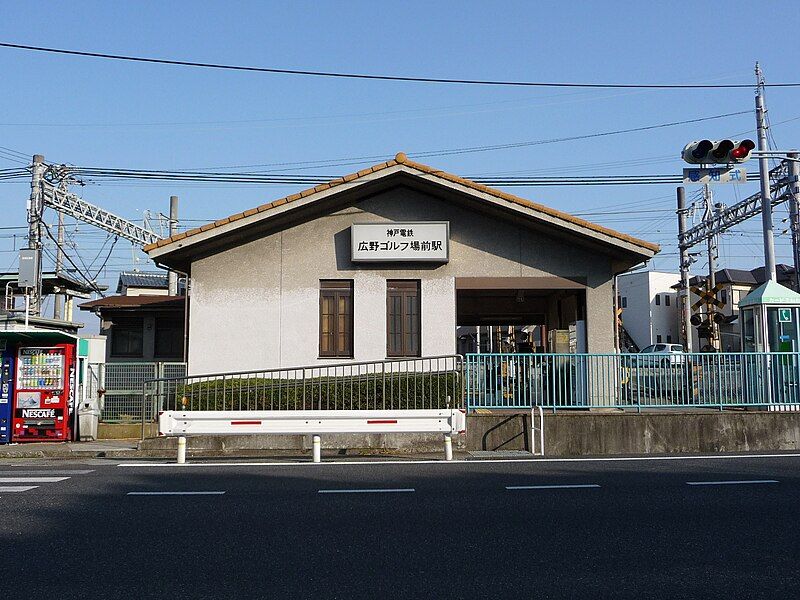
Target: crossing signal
column 717, row 152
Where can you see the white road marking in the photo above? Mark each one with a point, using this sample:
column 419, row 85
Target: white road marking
column 569, row 486
column 175, row 493
column 367, row 491
column 32, row 479
column 16, row 472
column 476, row 461
column 16, row 488
column 733, row 482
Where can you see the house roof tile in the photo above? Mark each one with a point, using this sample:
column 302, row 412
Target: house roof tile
column 402, row 159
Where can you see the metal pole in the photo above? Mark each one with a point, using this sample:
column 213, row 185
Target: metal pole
column 712, row 264
column 794, row 214
column 35, row 206
column 173, row 229
column 686, row 311
column 58, row 301
column 763, row 165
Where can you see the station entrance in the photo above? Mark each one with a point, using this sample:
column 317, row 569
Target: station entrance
column 520, row 315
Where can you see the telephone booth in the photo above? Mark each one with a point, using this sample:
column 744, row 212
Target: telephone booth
column 770, row 326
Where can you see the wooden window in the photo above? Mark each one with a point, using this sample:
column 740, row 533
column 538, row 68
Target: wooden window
column 127, row 338
column 336, row 318
column 402, row 318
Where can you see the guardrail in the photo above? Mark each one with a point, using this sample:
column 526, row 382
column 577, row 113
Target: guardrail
column 637, row 381
column 403, row 384
column 311, row 422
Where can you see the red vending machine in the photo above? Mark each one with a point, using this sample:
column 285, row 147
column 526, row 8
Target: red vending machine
column 43, row 393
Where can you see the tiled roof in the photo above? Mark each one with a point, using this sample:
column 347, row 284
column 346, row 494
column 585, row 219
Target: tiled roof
column 402, row 159
column 146, row 279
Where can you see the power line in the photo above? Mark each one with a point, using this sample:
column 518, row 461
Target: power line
column 415, row 79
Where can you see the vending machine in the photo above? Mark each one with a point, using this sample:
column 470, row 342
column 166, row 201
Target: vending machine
column 43, row 393
column 6, row 390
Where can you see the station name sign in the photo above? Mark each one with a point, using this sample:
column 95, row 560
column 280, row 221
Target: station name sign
column 410, row 241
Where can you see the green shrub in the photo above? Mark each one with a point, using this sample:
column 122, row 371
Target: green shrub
column 362, row 392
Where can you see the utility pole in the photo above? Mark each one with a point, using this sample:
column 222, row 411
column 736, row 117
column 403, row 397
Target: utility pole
column 686, row 311
column 58, row 301
column 766, row 197
column 35, row 208
column 712, row 263
column 172, row 278
column 794, row 214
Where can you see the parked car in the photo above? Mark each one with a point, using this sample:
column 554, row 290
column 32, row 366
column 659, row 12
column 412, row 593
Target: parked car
column 672, row 354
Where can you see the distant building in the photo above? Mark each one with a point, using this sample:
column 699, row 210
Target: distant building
column 649, row 304
column 143, row 283
column 736, row 284
column 143, row 323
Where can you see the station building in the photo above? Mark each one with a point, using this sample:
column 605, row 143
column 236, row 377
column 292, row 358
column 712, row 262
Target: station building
column 397, row 260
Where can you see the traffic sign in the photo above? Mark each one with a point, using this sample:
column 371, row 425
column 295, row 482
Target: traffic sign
column 715, row 175
column 707, row 296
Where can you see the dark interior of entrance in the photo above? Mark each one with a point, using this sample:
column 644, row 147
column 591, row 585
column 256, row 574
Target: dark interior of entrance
column 521, row 320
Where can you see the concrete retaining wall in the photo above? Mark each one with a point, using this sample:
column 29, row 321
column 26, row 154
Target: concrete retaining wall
column 421, row 442
column 582, row 434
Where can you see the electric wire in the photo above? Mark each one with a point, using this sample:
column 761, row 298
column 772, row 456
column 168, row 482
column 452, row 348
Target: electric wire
column 367, row 76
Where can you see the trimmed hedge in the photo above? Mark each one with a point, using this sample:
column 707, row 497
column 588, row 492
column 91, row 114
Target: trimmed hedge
column 364, row 392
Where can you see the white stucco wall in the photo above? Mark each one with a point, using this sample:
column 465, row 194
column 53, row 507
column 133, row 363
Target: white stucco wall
column 256, row 306
column 643, row 318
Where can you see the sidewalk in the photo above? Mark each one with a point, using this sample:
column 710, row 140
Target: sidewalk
column 98, row 449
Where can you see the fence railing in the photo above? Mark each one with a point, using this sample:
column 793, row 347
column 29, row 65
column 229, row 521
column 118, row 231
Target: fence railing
column 122, row 384
column 415, row 383
column 632, row 380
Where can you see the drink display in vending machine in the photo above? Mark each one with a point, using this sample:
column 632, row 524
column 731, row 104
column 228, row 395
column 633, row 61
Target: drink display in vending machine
column 6, row 391
column 43, row 393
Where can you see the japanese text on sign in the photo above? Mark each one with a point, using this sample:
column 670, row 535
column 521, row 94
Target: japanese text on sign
column 395, row 242
column 715, row 175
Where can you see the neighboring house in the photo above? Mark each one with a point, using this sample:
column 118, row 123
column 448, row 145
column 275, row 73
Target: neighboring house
column 143, row 324
column 143, row 283
column 388, row 263
column 649, row 306
column 736, row 284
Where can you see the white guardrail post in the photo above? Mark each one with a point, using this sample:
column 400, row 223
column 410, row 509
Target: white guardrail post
column 316, row 448
column 181, row 450
column 311, row 422
column 534, row 429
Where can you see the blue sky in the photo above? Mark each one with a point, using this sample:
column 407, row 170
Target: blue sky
column 103, row 113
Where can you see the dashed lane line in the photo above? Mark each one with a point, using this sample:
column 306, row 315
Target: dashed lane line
column 733, row 482
column 16, row 488
column 214, row 493
column 32, row 479
column 41, row 472
column 566, row 486
column 368, row 491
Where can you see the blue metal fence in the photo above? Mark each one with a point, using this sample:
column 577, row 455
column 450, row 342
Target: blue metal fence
column 634, row 381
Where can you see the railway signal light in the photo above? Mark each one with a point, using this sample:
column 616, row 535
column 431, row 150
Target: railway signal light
column 717, row 152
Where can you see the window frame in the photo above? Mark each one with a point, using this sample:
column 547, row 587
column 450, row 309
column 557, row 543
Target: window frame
column 129, row 325
column 336, row 289
column 405, row 289
column 161, row 325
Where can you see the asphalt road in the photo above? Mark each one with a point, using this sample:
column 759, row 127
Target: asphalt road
column 699, row 528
